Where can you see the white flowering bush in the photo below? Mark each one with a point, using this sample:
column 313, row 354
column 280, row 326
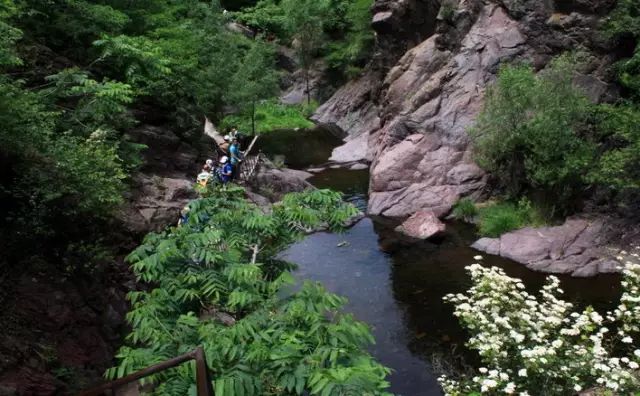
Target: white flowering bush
column 531, row 345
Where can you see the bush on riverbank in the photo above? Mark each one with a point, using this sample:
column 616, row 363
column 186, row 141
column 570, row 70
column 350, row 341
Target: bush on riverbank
column 272, row 115
column 539, row 133
column 530, row 134
column 216, row 283
column 497, row 218
column 527, row 343
column 502, row 217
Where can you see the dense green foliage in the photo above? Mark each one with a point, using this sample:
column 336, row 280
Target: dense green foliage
column 337, row 30
column 284, row 341
column 496, row 218
column 540, row 133
column 255, row 79
column 304, row 25
column 620, row 164
column 60, row 147
column 624, row 23
column 348, row 55
column 72, row 71
column 529, row 134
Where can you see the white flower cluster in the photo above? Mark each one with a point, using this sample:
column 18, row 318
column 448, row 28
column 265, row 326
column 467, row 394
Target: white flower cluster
column 528, row 341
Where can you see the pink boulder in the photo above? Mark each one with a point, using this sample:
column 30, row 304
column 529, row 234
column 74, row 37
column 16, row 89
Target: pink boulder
column 422, row 225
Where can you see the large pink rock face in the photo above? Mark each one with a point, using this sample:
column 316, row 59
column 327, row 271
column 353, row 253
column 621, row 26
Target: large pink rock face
column 423, row 160
column 411, row 120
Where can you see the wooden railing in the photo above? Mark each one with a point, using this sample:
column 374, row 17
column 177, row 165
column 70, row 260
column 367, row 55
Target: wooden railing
column 203, row 381
column 249, row 165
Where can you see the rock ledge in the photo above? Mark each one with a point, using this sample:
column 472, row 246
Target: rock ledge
column 581, row 247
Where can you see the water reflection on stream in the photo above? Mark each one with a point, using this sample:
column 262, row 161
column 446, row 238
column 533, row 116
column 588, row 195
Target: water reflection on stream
column 397, row 288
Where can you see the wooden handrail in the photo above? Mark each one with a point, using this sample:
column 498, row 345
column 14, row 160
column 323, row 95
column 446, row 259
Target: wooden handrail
column 203, row 381
column 248, row 150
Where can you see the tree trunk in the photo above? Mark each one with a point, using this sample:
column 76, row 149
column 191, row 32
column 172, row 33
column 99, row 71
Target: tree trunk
column 306, row 77
column 253, row 117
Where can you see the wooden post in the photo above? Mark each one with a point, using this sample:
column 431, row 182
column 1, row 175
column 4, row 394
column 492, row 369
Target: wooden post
column 203, row 381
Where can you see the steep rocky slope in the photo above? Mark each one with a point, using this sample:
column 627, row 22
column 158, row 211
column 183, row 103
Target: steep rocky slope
column 408, row 116
column 61, row 329
column 164, row 183
column 411, row 121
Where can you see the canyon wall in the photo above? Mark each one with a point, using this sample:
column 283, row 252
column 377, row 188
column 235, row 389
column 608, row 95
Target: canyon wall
column 409, row 114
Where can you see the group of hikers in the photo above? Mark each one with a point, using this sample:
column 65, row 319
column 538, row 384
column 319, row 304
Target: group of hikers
column 224, row 171
column 228, row 166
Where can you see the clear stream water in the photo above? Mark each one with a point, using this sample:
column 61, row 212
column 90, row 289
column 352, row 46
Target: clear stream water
column 395, row 286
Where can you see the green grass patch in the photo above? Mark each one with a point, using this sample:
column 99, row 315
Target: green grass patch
column 272, row 115
column 465, row 209
column 502, row 217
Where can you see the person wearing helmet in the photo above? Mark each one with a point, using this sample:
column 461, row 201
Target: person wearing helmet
column 224, row 146
column 204, row 176
column 225, row 170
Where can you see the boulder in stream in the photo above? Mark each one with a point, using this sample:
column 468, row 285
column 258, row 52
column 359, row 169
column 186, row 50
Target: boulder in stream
column 423, row 224
column 274, row 183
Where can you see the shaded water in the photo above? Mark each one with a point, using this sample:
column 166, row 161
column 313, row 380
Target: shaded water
column 301, row 149
column 397, row 288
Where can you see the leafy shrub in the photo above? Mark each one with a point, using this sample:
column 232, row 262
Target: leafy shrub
column 529, row 132
column 265, row 16
column 527, row 343
column 618, row 125
column 72, row 175
column 339, row 30
column 222, row 262
column 500, row 218
column 623, row 23
column 8, row 35
column 255, row 80
column 465, row 209
column 619, row 164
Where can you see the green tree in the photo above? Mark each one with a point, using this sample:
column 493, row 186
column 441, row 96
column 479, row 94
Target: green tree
column 266, row 16
column 352, row 37
column 8, row 35
column 618, row 124
column 254, row 80
column 618, row 165
column 304, row 24
column 530, row 133
column 217, row 284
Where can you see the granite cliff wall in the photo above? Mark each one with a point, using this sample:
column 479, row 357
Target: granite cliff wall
column 408, row 115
